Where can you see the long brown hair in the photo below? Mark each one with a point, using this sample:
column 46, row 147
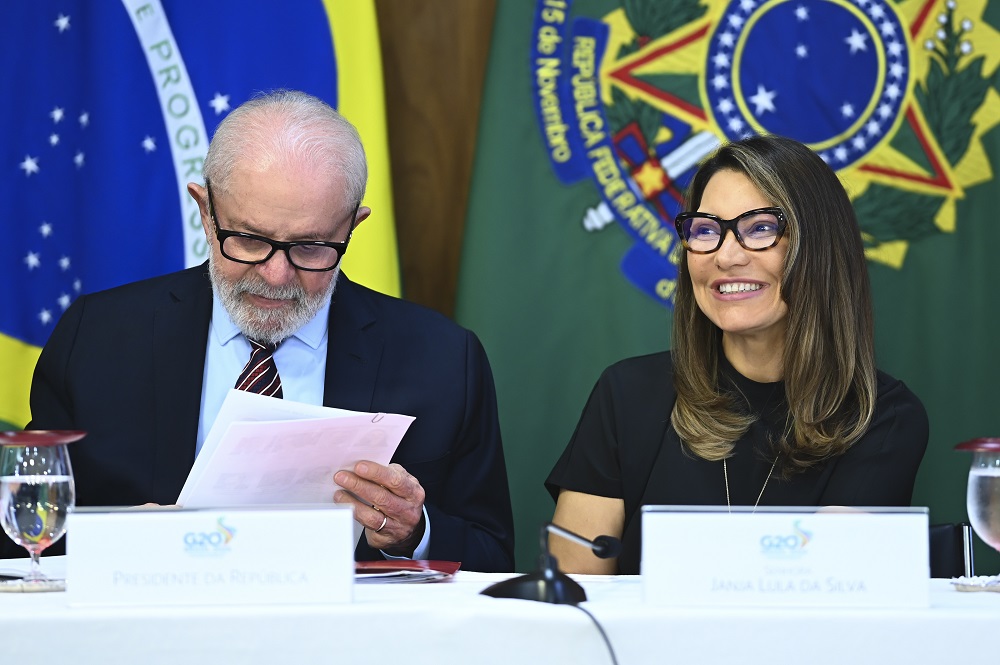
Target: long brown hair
column 829, row 354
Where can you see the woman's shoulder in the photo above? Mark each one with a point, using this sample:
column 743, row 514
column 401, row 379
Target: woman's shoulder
column 639, row 380
column 652, row 369
column 897, row 402
column 893, row 392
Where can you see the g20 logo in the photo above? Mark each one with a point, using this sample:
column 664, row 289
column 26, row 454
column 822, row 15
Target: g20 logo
column 210, row 542
column 788, row 545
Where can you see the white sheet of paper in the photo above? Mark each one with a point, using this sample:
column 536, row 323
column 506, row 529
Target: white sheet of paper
column 263, row 450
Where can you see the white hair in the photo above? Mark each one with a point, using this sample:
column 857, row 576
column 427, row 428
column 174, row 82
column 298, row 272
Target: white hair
column 288, row 127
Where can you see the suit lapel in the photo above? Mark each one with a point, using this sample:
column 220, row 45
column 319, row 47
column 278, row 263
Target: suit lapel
column 180, row 333
column 354, row 349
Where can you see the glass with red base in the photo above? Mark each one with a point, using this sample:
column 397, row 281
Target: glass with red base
column 36, row 493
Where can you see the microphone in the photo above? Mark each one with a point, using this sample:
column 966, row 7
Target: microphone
column 548, row 584
column 603, row 547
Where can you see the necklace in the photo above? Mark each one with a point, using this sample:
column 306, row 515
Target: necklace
column 725, row 473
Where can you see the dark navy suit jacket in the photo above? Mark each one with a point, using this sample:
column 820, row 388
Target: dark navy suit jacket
column 126, row 365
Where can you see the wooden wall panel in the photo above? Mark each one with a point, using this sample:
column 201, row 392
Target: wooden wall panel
column 434, row 57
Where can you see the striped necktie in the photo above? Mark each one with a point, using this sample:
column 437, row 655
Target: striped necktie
column 260, row 375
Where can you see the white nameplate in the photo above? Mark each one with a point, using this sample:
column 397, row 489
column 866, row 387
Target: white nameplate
column 282, row 554
column 698, row 556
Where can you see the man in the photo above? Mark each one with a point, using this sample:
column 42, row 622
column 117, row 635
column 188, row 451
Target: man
column 144, row 368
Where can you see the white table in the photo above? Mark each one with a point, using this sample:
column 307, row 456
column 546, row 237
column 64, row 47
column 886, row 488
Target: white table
column 452, row 623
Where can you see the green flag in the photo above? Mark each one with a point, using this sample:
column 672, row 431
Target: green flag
column 595, row 115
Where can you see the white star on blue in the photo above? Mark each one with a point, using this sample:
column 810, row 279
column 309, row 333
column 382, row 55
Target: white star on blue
column 811, row 70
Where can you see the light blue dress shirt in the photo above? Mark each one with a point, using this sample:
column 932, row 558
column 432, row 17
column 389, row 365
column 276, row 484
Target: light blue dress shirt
column 301, row 362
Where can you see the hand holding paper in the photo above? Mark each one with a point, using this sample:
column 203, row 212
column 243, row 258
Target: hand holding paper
column 388, row 501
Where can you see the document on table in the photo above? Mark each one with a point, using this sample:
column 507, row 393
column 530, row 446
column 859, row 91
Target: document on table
column 264, row 450
column 407, row 571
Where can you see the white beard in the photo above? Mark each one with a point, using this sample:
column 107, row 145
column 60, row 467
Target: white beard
column 267, row 326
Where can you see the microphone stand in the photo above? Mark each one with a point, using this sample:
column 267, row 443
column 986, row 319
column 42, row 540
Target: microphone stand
column 547, row 584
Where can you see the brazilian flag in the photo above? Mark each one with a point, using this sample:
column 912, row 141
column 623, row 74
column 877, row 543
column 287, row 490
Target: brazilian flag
column 108, row 109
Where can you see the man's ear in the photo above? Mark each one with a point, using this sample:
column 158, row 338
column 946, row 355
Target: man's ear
column 200, row 196
column 363, row 213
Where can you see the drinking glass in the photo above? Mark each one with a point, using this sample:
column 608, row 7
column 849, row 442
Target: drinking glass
column 36, row 490
column 983, row 495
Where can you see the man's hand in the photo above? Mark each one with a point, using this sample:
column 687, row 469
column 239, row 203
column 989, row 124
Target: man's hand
column 388, row 502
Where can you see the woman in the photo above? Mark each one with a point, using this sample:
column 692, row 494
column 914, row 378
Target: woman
column 770, row 395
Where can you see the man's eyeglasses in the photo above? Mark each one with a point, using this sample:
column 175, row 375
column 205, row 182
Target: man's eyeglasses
column 311, row 255
column 755, row 230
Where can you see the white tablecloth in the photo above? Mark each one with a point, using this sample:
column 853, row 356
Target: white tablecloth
column 451, row 623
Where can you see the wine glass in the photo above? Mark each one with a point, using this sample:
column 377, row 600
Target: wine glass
column 36, row 491
column 983, row 495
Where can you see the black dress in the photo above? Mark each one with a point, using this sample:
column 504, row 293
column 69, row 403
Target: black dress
column 625, row 447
